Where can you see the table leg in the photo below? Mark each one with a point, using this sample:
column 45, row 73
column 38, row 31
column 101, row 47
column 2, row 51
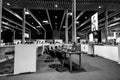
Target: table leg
column 70, row 63
column 79, row 61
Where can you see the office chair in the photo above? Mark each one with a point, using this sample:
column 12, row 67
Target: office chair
column 10, row 61
column 48, row 52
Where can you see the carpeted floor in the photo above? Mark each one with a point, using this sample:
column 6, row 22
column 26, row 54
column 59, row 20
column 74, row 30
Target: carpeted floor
column 96, row 68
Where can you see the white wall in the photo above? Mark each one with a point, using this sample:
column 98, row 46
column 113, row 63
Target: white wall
column 108, row 52
column 25, row 58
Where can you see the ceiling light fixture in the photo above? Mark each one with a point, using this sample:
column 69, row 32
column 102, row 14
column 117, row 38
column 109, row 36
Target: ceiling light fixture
column 27, row 12
column 8, row 4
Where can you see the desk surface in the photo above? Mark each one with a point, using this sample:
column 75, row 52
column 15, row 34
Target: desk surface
column 7, row 46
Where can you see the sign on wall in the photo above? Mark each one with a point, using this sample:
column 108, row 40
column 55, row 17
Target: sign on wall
column 94, row 22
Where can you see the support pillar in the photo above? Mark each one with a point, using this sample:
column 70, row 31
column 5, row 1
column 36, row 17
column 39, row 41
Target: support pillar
column 23, row 29
column 66, row 28
column 29, row 34
column 74, row 21
column 0, row 18
column 44, row 34
column 106, row 25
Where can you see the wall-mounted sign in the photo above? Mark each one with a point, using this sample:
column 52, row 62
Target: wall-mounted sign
column 91, row 39
column 94, row 22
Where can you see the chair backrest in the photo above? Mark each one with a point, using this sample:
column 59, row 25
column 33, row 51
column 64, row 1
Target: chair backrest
column 78, row 47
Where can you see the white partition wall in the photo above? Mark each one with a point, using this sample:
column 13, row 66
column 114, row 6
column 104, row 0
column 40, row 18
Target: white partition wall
column 108, row 52
column 25, row 58
column 84, row 48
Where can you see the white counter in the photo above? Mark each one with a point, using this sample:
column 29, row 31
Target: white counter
column 86, row 48
column 108, row 52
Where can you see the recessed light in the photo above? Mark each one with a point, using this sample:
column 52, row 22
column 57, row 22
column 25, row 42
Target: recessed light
column 45, row 21
column 70, row 13
column 56, row 5
column 55, row 16
column 38, row 26
column 8, row 4
column 85, row 17
column 55, row 23
column 26, row 12
column 100, row 7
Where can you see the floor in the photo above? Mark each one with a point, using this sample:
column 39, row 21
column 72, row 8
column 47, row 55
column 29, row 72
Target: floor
column 96, row 68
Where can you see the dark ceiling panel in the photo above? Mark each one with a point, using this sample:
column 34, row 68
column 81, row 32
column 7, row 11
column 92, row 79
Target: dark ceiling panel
column 63, row 4
column 56, row 18
column 39, row 7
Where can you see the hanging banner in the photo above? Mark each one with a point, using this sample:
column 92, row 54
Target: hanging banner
column 94, row 22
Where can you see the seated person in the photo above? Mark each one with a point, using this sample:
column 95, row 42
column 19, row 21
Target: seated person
column 74, row 47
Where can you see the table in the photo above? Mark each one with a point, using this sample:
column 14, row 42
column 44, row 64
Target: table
column 71, row 53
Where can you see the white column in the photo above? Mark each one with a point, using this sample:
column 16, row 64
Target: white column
column 0, row 19
column 23, row 29
column 29, row 34
column 66, row 28
column 74, row 21
column 106, row 25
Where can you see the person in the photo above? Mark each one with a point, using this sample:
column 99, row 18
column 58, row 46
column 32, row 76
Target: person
column 74, row 47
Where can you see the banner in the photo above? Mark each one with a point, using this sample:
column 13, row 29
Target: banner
column 94, row 22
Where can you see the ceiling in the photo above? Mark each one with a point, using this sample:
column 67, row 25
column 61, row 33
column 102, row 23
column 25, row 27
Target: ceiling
column 54, row 12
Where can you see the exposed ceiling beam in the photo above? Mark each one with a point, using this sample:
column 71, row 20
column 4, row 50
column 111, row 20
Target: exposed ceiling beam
column 36, row 20
column 65, row 12
column 49, row 19
column 12, row 26
column 13, row 13
column 80, row 14
column 116, row 20
column 31, row 26
column 12, row 21
column 70, row 26
column 85, row 28
column 16, row 15
column 109, row 16
column 87, row 21
column 83, row 23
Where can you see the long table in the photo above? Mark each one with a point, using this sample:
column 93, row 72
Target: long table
column 72, row 53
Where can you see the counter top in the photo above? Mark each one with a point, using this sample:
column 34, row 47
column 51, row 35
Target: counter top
column 7, row 46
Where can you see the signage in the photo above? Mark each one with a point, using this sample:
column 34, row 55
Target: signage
column 94, row 22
